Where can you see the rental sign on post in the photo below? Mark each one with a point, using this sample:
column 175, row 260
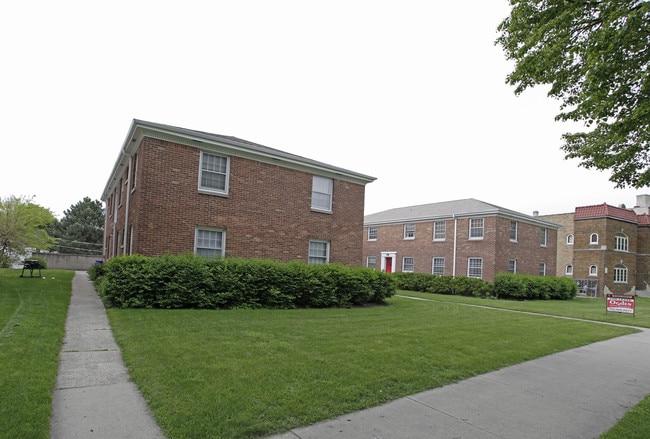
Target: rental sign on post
column 620, row 303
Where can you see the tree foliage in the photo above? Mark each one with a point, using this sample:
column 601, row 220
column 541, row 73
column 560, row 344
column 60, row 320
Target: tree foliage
column 81, row 230
column 23, row 225
column 595, row 55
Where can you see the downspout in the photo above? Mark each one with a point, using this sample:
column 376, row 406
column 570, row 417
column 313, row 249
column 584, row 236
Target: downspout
column 453, row 272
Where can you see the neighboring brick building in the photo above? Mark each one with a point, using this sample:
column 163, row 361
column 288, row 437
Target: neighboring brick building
column 460, row 238
column 175, row 190
column 606, row 249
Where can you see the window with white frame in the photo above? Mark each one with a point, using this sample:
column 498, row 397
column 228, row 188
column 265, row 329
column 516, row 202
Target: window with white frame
column 620, row 274
column 209, row 242
column 408, row 263
column 514, row 226
column 542, row 268
column 371, row 262
column 621, row 243
column 476, row 228
column 543, row 236
column 321, row 193
column 409, row 231
column 438, row 266
column 213, row 176
column 319, row 252
column 593, row 238
column 372, row 233
column 569, row 239
column 593, row 270
column 439, row 230
column 568, row 270
column 512, row 266
column 475, row 267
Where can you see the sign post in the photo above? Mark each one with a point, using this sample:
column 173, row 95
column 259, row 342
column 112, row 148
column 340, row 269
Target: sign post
column 620, row 303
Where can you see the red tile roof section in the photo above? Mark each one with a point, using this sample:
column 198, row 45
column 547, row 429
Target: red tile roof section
column 605, row 210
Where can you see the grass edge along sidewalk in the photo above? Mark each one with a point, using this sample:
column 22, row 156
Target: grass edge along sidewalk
column 250, row 373
column 32, row 327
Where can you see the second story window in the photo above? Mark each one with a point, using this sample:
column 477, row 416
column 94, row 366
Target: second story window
column 569, row 239
column 439, row 230
column 543, row 236
column 621, row 242
column 321, row 193
column 514, row 226
column 593, row 238
column 409, row 231
column 214, row 173
column 476, row 228
column 372, row 233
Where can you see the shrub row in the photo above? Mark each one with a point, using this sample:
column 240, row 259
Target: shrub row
column 428, row 283
column 505, row 286
column 189, row 281
column 528, row 287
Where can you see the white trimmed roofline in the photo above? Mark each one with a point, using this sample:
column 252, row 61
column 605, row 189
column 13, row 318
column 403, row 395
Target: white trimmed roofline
column 225, row 144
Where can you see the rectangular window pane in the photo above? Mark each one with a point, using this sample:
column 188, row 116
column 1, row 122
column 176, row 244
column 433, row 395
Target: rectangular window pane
column 371, row 262
column 209, row 243
column 543, row 237
column 409, row 231
column 476, row 228
column 512, row 266
column 214, row 172
column 475, row 267
column 439, row 230
column 372, row 233
column 513, row 230
column 408, row 264
column 318, row 252
column 542, row 269
column 438, row 266
column 321, row 193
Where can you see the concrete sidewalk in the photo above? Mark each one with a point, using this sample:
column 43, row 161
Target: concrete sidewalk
column 579, row 393
column 94, row 397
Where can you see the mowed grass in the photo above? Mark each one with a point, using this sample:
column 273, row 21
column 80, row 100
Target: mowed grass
column 580, row 307
column 251, row 373
column 32, row 326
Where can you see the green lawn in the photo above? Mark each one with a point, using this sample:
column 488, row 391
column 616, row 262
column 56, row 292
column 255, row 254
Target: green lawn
column 32, row 324
column 249, row 373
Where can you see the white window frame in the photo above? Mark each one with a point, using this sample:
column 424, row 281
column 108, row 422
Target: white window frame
column 372, row 233
column 219, row 251
column 322, row 189
column 226, row 174
column 371, row 261
column 512, row 265
column 475, row 268
column 476, row 228
column 569, row 239
column 314, row 258
column 440, row 266
column 409, row 231
column 593, row 270
column 408, row 264
column 621, row 242
column 620, row 274
column 593, row 239
column 568, row 270
column 439, row 230
column 542, row 268
column 514, row 231
column 543, row 238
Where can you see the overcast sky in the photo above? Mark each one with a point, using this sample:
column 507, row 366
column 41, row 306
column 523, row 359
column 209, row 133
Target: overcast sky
column 410, row 92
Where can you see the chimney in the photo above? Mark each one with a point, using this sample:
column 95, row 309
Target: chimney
column 535, row 212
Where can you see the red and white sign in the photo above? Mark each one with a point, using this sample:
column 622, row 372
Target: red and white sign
column 620, row 303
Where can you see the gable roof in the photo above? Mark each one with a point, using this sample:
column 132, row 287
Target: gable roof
column 469, row 207
column 229, row 145
column 606, row 211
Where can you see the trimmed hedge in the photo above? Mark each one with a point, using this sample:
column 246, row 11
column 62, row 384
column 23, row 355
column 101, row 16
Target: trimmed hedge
column 189, row 281
column 528, row 287
column 429, row 283
column 505, row 286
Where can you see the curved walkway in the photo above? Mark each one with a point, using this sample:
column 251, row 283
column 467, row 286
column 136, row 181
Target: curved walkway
column 94, row 397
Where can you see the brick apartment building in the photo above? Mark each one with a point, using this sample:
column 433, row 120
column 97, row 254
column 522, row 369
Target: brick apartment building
column 606, row 249
column 459, row 238
column 174, row 190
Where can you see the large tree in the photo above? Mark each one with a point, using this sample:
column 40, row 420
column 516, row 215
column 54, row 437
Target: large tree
column 595, row 55
column 81, row 230
column 23, row 225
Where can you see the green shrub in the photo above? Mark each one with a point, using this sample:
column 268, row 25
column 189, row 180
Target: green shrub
column 189, row 281
column 528, row 287
column 435, row 284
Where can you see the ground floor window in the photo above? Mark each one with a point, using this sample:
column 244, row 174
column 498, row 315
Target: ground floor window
column 407, row 264
column 475, row 267
column 620, row 274
column 371, row 262
column 438, row 266
column 209, row 242
column 319, row 252
column 542, row 268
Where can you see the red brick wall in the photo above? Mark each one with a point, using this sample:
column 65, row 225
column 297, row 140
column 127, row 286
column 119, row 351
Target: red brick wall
column 495, row 248
column 266, row 214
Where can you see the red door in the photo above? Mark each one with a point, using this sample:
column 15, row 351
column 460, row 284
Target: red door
column 389, row 265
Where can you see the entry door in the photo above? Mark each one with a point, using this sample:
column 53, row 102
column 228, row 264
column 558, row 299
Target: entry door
column 389, row 265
